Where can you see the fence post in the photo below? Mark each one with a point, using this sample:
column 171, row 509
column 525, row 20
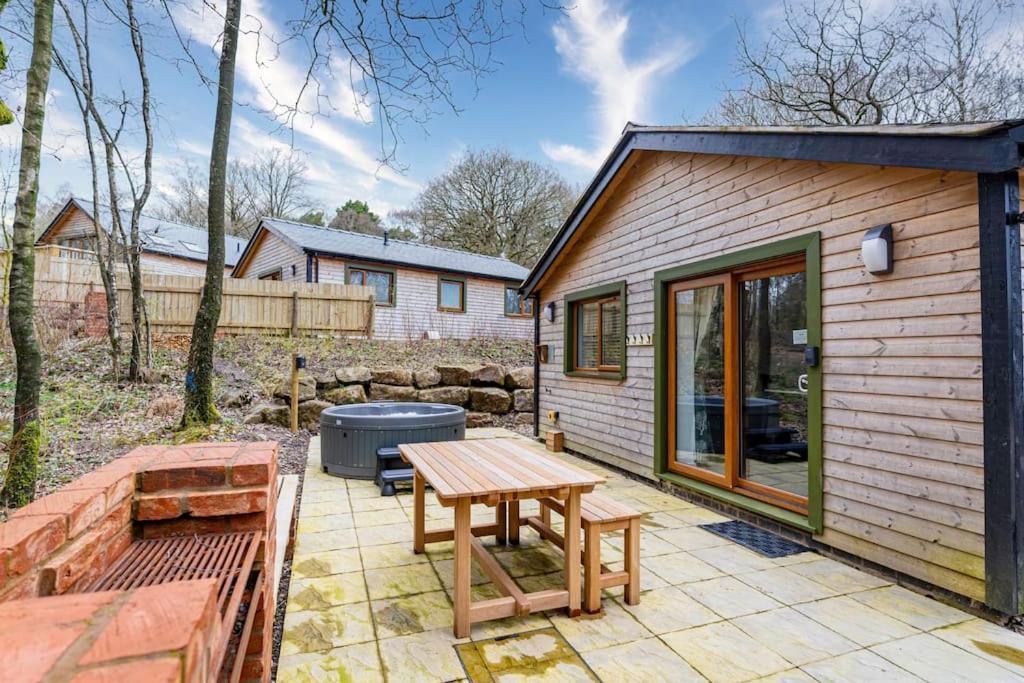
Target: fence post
column 295, row 313
column 371, row 310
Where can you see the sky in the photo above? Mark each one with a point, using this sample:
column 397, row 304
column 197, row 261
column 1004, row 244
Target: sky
column 561, row 88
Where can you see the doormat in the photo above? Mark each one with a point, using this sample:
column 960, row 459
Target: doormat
column 756, row 539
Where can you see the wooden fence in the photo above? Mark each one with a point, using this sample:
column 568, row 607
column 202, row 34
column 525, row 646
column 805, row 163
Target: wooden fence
column 67, row 276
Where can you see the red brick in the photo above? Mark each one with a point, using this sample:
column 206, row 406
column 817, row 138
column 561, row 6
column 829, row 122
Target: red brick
column 28, row 540
column 31, row 648
column 66, row 567
column 157, row 619
column 251, row 469
column 115, row 481
column 117, row 519
column 234, row 502
column 255, row 521
column 174, row 475
column 57, row 610
column 186, row 526
column 81, row 507
column 158, row 506
column 162, row 670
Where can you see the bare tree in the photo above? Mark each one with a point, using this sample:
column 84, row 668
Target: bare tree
column 111, row 117
column 8, row 186
column 109, row 251
column 492, row 203
column 6, row 115
column 837, row 62
column 23, row 460
column 405, row 58
column 274, row 185
column 199, row 408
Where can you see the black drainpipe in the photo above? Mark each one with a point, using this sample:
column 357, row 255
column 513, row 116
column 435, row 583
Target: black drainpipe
column 1002, row 357
column 309, row 267
column 536, row 365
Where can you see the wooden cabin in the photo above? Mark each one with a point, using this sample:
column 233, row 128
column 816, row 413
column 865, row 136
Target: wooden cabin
column 422, row 290
column 168, row 248
column 706, row 319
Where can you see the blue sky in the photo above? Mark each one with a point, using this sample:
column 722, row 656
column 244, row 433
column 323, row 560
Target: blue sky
column 562, row 90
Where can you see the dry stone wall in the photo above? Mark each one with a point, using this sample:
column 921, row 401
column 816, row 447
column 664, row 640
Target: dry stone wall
column 485, row 391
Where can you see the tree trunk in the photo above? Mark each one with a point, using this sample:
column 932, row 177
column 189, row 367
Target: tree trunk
column 199, row 407
column 23, row 463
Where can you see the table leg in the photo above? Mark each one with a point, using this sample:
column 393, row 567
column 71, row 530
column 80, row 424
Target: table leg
column 419, row 522
column 501, row 519
column 463, row 558
column 513, row 522
column 572, row 550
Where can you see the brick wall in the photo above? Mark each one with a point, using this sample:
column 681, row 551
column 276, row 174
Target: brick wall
column 61, row 543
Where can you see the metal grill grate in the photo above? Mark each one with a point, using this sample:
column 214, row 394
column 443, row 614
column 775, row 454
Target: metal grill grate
column 229, row 558
column 758, row 540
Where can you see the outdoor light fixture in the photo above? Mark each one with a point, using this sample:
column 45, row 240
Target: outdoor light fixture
column 876, row 250
column 549, row 312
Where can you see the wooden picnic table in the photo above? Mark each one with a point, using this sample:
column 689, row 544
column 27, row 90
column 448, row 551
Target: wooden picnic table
column 498, row 473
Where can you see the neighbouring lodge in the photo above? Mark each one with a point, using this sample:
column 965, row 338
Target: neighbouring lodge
column 422, row 290
column 818, row 327
column 168, row 248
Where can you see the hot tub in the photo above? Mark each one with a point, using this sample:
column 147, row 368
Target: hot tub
column 350, row 435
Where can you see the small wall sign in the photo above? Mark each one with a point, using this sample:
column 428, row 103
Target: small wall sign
column 799, row 337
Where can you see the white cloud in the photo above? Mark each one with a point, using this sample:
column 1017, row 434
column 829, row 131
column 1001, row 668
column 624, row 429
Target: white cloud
column 592, row 43
column 274, row 81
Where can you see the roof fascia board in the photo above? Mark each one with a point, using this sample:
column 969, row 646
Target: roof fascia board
column 996, row 153
column 60, row 215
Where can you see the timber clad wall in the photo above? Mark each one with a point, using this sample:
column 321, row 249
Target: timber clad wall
column 415, row 311
column 902, row 417
column 77, row 224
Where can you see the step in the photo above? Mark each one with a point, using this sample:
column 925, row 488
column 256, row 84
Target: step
column 388, row 452
column 404, row 474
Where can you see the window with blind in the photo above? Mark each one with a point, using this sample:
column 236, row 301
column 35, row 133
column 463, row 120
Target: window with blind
column 596, row 332
column 382, row 281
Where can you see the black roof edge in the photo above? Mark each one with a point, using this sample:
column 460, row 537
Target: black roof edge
column 406, row 264
column 995, row 152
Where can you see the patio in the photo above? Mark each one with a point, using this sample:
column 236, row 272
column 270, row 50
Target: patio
column 363, row 607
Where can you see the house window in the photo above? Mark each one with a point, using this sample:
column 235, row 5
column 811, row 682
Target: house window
column 272, row 275
column 516, row 304
column 451, row 294
column 595, row 343
column 382, row 281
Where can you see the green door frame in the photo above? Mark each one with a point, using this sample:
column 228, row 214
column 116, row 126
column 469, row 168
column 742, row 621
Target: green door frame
column 810, row 246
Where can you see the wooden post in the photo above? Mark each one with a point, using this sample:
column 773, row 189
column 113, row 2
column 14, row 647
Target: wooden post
column 295, row 314
column 295, row 393
column 571, row 550
column 463, row 558
column 419, row 512
column 371, row 310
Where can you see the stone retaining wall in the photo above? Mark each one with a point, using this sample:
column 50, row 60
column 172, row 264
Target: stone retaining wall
column 486, row 391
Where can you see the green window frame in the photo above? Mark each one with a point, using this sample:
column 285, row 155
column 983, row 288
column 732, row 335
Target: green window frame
column 442, row 280
column 573, row 302
column 351, row 268
column 810, row 246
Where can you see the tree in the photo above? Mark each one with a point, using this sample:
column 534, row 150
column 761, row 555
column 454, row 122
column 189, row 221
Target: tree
column 845, row 62
column 405, row 57
column 355, row 216
column 273, row 185
column 199, row 408
column 23, row 460
column 6, row 115
column 312, row 218
column 492, row 203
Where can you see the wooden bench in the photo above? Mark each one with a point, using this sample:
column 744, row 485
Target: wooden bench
column 598, row 514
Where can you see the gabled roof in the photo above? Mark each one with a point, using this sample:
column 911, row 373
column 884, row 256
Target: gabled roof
column 158, row 236
column 983, row 147
column 315, row 240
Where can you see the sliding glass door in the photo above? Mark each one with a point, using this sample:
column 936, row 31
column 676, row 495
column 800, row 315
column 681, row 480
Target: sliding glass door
column 737, row 413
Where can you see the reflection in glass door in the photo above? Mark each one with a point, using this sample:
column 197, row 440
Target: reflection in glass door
column 737, row 412
column 773, row 382
column 698, row 325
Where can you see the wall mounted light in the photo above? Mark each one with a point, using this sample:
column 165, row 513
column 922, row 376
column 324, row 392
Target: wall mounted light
column 549, row 312
column 876, row 250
